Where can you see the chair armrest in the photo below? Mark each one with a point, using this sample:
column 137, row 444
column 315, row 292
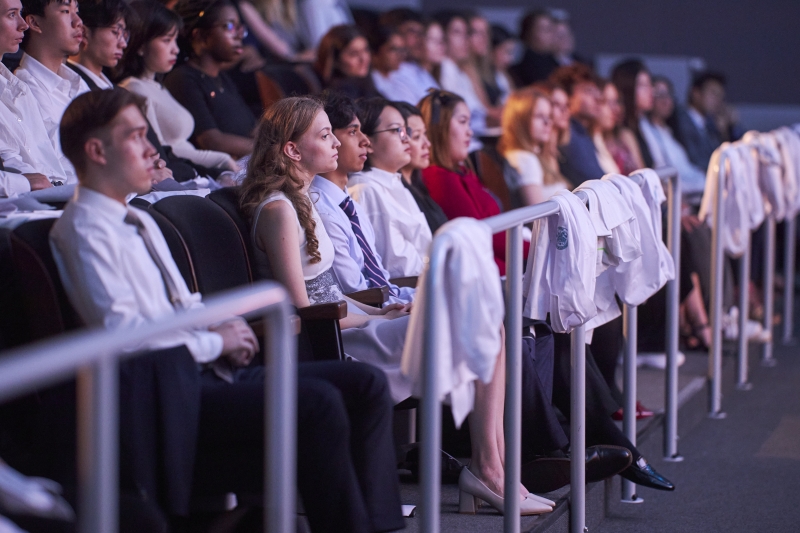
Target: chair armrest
column 331, row 311
column 374, row 297
column 259, row 327
column 408, row 281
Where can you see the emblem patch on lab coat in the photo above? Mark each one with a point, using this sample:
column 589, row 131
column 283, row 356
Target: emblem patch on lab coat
column 561, row 238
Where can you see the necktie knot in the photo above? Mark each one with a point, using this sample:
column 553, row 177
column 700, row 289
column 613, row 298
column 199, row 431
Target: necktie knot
column 348, row 206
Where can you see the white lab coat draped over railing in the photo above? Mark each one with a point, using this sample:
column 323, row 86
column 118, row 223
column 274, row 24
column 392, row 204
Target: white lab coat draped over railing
column 770, row 173
column 789, row 146
column 470, row 338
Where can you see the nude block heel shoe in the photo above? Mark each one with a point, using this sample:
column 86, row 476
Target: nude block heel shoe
column 472, row 489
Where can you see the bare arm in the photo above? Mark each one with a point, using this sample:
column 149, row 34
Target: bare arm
column 261, row 30
column 234, row 145
column 627, row 138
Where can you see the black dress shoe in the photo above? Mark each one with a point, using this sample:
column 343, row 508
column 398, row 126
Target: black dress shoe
column 645, row 475
column 603, row 462
column 547, row 474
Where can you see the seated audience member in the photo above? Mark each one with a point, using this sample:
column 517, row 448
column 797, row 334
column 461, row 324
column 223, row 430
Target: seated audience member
column 388, row 52
column 563, row 39
column 105, row 37
column 537, row 35
column 480, row 68
column 450, row 180
column 317, row 17
column 213, row 38
column 578, row 157
column 154, row 51
column 666, row 151
column 503, row 49
column 527, row 129
column 25, row 144
column 454, row 75
column 294, row 143
column 632, row 80
column 612, row 135
column 424, row 49
column 694, row 125
column 402, row 235
column 118, row 272
column 420, row 159
column 343, row 61
column 55, row 33
column 560, row 102
column 356, row 263
column 274, row 28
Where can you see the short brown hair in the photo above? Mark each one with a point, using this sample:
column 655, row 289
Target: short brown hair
column 570, row 76
column 89, row 113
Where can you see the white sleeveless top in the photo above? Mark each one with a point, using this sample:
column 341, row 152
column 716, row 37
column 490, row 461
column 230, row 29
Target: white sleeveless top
column 321, row 284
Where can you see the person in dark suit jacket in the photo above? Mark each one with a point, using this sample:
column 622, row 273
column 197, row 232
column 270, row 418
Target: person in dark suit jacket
column 538, row 61
column 694, row 126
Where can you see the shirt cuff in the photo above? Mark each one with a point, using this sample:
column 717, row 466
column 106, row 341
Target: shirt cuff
column 11, row 184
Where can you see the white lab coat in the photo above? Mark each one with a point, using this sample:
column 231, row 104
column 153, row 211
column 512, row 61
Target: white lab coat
column 560, row 277
column 470, row 317
column 789, row 146
column 770, row 175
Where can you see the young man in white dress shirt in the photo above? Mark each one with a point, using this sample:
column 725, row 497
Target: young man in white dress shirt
column 105, row 37
column 330, row 191
column 24, row 142
column 117, row 271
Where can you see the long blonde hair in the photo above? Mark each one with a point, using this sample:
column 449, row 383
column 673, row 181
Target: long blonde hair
column 270, row 170
column 278, row 12
column 516, row 124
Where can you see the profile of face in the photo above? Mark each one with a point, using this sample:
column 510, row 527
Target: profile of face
column 563, row 39
column 435, row 47
column 161, row 53
column 541, row 122
column 560, row 102
column 390, row 146
column 456, row 40
column 413, row 34
column 479, row 36
column 106, row 45
column 609, row 112
column 712, row 97
column 419, row 143
column 12, row 26
column 542, row 35
column 503, row 54
column 663, row 104
column 125, row 152
column 584, row 100
column 317, row 150
column 392, row 53
column 355, row 58
column 354, row 147
column 644, row 92
column 460, row 134
column 60, row 27
column 223, row 40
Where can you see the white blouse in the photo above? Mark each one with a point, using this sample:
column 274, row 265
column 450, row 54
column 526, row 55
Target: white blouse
column 173, row 123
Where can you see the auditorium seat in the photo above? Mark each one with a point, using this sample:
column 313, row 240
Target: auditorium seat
column 489, row 166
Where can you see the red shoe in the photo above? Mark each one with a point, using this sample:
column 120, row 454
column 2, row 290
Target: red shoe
column 641, row 412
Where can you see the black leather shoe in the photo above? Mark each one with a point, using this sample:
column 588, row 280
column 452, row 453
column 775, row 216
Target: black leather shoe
column 645, row 475
column 551, row 473
column 603, row 462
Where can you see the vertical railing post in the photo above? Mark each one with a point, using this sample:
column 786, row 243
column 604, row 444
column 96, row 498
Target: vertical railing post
column 788, row 280
column 769, row 291
column 98, row 446
column 673, row 309
column 577, row 431
column 742, row 370
column 717, row 262
column 280, row 421
column 629, row 319
column 431, row 438
column 513, row 402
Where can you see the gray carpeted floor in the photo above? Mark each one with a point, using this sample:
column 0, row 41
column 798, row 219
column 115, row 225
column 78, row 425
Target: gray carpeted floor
column 739, row 474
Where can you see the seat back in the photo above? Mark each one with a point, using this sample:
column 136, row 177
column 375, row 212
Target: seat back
column 45, row 303
column 228, row 199
column 490, row 169
column 210, row 240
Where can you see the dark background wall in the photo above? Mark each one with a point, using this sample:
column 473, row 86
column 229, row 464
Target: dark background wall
column 756, row 43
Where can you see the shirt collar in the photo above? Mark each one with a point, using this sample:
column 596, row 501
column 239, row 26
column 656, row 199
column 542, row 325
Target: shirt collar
column 50, row 78
column 697, row 117
column 10, row 83
column 100, row 204
column 102, row 81
column 389, row 180
column 329, row 190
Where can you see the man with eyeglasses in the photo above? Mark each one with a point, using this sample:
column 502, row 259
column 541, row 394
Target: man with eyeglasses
column 105, row 37
column 55, row 33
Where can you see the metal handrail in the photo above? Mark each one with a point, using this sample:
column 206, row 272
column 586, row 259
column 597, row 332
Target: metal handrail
column 95, row 354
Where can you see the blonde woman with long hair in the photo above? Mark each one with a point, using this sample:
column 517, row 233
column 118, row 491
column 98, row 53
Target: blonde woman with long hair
column 531, row 166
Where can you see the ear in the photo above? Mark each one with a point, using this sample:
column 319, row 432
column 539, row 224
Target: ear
column 33, row 23
column 291, row 151
column 95, row 151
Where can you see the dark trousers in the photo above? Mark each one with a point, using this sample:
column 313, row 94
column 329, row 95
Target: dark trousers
column 346, row 472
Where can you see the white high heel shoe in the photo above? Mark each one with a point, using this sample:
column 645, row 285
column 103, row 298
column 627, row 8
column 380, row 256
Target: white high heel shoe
column 539, row 499
column 472, row 489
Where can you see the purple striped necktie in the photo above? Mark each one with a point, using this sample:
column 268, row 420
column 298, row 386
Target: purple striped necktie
column 372, row 270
